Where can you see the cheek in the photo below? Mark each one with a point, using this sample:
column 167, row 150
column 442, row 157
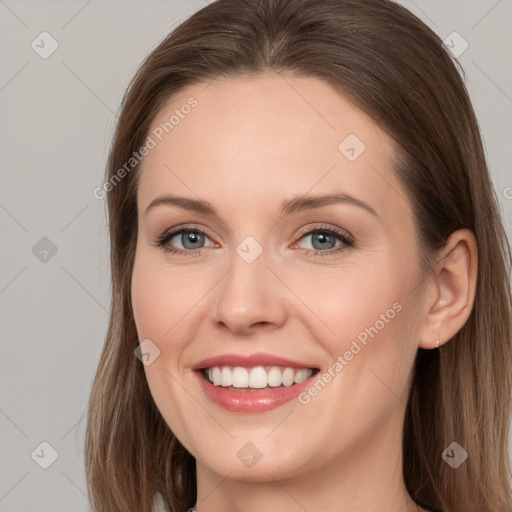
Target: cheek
column 148, row 301
column 352, row 302
column 381, row 347
column 158, row 305
column 158, row 297
column 368, row 317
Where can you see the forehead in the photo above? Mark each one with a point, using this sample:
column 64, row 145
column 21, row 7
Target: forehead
column 263, row 138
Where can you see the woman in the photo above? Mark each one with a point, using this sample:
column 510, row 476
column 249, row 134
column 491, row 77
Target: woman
column 310, row 298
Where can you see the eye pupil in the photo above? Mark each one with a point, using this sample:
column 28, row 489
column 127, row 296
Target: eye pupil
column 323, row 238
column 192, row 237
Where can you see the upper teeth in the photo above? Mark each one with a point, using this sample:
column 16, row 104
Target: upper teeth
column 257, row 377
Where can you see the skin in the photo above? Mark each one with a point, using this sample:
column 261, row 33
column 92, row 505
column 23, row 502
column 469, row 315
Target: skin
column 251, row 143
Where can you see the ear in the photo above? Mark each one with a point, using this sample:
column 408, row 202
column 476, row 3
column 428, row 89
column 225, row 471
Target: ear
column 450, row 290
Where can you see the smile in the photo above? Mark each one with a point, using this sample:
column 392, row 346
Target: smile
column 252, row 383
column 258, row 377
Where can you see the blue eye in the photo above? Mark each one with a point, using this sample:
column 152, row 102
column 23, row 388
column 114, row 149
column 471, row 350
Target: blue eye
column 324, row 241
column 193, row 239
column 190, row 238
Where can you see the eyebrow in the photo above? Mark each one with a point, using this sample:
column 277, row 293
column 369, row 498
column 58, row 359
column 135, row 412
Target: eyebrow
column 288, row 207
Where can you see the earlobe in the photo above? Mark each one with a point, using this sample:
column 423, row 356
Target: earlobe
column 452, row 290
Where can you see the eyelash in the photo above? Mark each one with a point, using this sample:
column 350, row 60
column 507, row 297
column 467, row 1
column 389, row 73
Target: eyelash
column 348, row 241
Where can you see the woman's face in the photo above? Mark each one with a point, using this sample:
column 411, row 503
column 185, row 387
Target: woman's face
column 281, row 280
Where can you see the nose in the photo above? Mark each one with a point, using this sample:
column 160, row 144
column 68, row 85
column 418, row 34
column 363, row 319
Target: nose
column 250, row 298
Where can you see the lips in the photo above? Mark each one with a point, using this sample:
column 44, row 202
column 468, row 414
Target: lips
column 249, row 361
column 252, row 383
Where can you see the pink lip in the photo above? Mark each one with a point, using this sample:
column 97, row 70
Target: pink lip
column 249, row 400
column 248, row 361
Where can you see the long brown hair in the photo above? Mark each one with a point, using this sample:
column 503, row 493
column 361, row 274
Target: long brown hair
column 394, row 68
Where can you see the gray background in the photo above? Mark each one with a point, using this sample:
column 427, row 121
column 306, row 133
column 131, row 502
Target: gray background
column 58, row 116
